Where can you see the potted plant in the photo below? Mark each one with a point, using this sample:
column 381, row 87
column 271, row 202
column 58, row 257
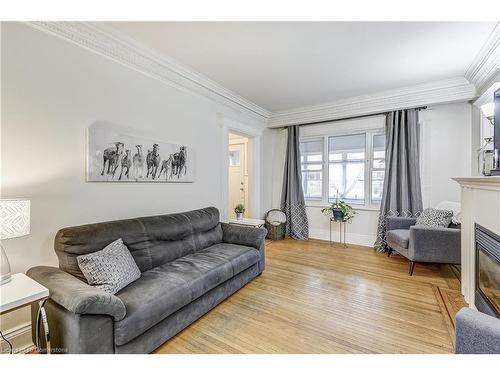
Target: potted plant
column 340, row 210
column 239, row 210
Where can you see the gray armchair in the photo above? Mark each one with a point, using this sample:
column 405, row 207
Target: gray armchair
column 419, row 243
column 476, row 333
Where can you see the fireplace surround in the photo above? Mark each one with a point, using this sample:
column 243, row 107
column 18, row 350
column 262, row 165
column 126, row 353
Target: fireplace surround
column 480, row 201
column 487, row 264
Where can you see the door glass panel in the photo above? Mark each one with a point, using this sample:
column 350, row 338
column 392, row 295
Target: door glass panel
column 234, row 158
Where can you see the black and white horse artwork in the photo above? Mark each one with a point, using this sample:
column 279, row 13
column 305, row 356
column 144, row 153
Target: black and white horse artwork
column 125, row 165
column 153, row 161
column 111, row 156
column 166, row 167
column 138, row 163
column 114, row 156
column 179, row 162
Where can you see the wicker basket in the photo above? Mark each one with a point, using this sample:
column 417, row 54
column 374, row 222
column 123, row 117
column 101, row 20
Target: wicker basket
column 275, row 224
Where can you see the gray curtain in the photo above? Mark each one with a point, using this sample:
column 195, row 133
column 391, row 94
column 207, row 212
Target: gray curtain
column 402, row 195
column 292, row 195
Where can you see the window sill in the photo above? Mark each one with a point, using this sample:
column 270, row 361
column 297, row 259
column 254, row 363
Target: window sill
column 318, row 204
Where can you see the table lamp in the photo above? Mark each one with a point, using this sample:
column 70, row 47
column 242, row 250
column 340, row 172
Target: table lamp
column 14, row 222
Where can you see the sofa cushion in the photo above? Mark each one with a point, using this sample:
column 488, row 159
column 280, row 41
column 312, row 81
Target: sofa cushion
column 398, row 238
column 110, row 269
column 165, row 289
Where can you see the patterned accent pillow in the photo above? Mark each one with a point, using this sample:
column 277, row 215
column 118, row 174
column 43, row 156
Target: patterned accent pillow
column 435, row 218
column 110, row 269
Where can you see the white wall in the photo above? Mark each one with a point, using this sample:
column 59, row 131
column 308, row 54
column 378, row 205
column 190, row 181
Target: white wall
column 446, row 152
column 52, row 91
column 447, row 145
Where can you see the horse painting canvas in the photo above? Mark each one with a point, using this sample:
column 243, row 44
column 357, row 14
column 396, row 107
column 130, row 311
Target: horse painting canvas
column 115, row 155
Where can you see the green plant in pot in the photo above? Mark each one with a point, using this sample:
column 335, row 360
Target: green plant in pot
column 239, row 210
column 340, row 210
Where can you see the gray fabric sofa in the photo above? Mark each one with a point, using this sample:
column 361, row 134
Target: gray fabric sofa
column 476, row 333
column 420, row 243
column 189, row 263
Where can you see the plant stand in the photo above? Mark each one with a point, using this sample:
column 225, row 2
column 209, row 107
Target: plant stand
column 342, row 231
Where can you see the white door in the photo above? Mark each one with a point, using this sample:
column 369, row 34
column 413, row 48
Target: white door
column 237, row 177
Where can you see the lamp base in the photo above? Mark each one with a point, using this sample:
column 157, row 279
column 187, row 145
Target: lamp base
column 4, row 267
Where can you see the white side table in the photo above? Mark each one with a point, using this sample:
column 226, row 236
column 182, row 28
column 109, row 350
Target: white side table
column 257, row 223
column 22, row 291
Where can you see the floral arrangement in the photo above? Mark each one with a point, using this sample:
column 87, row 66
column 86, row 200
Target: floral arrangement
column 340, row 210
column 239, row 209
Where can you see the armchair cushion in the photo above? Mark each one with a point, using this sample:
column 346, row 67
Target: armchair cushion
column 398, row 238
column 75, row 295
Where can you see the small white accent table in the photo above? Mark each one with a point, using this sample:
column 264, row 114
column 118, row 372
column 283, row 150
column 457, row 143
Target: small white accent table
column 22, row 291
column 257, row 223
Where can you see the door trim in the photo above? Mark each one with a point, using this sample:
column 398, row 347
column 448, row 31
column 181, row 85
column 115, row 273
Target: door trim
column 227, row 126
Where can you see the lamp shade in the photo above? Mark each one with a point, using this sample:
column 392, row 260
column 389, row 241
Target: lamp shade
column 14, row 218
column 488, row 110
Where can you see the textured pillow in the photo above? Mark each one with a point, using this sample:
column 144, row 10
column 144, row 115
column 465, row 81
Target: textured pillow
column 435, row 218
column 452, row 206
column 110, row 269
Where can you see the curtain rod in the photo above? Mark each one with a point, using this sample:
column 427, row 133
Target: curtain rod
column 349, row 118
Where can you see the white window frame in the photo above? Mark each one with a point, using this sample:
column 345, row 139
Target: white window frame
column 322, row 163
column 369, row 133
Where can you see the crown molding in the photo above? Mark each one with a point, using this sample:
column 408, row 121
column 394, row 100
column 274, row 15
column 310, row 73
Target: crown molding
column 486, row 65
column 107, row 42
column 445, row 91
column 118, row 47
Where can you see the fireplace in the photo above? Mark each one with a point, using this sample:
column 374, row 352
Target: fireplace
column 487, row 293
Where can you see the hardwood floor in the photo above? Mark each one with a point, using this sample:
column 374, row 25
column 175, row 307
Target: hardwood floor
column 315, row 298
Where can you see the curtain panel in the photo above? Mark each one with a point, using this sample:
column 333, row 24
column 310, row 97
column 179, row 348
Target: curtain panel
column 292, row 195
column 402, row 194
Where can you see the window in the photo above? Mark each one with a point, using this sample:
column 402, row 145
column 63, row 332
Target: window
column 311, row 160
column 234, row 158
column 348, row 166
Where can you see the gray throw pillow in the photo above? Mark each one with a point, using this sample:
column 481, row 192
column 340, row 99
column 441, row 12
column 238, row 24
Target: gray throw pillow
column 110, row 269
column 435, row 218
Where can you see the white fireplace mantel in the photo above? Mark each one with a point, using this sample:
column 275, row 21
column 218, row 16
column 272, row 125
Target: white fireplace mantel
column 481, row 205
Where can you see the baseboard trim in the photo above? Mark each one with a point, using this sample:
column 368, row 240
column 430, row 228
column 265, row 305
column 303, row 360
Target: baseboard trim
column 350, row 245
column 20, row 338
column 357, row 239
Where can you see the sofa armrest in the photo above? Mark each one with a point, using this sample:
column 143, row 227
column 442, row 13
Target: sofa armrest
column 476, row 333
column 246, row 236
column 400, row 222
column 242, row 235
column 75, row 295
column 434, row 244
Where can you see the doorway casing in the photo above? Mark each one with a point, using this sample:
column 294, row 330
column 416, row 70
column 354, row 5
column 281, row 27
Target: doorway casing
column 229, row 125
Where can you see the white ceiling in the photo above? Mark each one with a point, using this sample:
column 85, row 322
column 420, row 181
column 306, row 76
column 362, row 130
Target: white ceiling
column 284, row 65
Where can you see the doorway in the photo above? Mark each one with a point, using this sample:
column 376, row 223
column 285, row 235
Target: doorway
column 238, row 173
